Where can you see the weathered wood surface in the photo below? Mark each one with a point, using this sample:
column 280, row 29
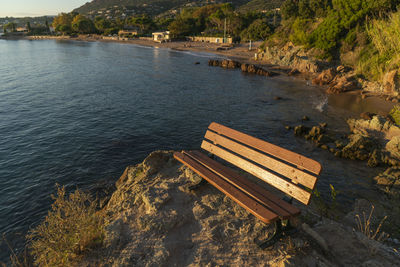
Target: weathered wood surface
column 274, row 180
column 296, row 175
column 244, row 200
column 274, row 150
column 279, row 206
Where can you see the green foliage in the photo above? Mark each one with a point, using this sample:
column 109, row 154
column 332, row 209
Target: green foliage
column 71, row 227
column 258, row 30
column 10, row 27
column 289, row 9
column 143, row 23
column 395, row 114
column 81, row 24
column 182, row 27
column 299, row 35
column 62, row 23
column 102, row 24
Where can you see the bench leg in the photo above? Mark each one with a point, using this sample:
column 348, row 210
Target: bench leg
column 196, row 186
column 279, row 230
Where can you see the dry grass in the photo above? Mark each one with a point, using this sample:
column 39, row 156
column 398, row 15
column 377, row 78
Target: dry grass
column 383, row 54
column 71, row 227
column 364, row 225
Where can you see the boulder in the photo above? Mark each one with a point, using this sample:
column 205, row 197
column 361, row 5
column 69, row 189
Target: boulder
column 244, row 67
column 389, row 181
column 325, row 77
column 342, row 84
column 360, row 147
column 367, row 115
column 301, row 130
column 391, row 82
column 393, row 147
column 293, row 72
column 214, row 62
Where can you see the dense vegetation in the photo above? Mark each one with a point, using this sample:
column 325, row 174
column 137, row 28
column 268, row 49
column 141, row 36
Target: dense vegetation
column 206, row 20
column 367, row 28
column 151, row 7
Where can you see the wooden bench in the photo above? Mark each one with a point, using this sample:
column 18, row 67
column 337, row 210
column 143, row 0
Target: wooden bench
column 291, row 173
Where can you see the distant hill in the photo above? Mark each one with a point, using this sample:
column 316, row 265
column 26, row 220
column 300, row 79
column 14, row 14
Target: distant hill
column 156, row 7
column 261, row 5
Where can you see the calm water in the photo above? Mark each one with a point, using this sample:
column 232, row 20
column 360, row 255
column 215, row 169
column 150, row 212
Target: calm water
column 76, row 113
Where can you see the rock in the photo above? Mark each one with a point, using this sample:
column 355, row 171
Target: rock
column 367, row 115
column 341, row 68
column 375, row 159
column 342, row 84
column 325, row 77
column 323, row 124
column 244, row 67
column 391, row 82
column 277, row 98
column 393, row 146
column 319, row 239
column 305, row 118
column 325, row 147
column 197, row 63
column 230, row 64
column 315, row 132
column 293, row 72
column 214, row 62
column 389, row 181
column 288, row 127
column 359, row 147
column 301, row 130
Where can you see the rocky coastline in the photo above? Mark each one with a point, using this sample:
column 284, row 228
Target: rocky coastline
column 153, row 219
column 337, row 77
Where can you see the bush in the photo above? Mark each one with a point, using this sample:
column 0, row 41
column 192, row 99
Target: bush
column 71, row 227
column 395, row 114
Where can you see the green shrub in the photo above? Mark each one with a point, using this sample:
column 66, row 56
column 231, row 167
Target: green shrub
column 71, row 227
column 395, row 114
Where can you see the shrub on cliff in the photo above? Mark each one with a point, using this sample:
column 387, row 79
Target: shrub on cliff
column 71, row 227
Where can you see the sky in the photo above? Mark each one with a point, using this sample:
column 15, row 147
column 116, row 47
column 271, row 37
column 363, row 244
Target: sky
column 32, row 8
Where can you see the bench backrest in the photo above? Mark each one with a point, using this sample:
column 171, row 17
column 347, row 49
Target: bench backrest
column 293, row 174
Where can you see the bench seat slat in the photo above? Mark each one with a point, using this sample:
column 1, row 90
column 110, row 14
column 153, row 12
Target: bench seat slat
column 290, row 172
column 279, row 206
column 276, row 151
column 260, row 211
column 274, row 180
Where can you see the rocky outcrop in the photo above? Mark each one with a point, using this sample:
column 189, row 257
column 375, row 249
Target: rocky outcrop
column 391, row 83
column 375, row 140
column 247, row 68
column 153, row 219
column 291, row 56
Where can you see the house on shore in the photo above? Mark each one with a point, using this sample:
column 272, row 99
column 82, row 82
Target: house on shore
column 210, row 39
column 161, row 37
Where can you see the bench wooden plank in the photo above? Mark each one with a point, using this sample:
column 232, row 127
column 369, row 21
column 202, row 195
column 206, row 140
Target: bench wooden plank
column 260, row 211
column 279, row 206
column 285, row 186
column 276, row 151
column 296, row 175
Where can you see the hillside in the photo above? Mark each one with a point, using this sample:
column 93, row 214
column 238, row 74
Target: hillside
column 261, row 5
column 155, row 7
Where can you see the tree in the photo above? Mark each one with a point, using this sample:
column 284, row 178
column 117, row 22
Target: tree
column 289, row 9
column 258, row 30
column 12, row 27
column 182, row 27
column 81, row 24
column 28, row 26
column 144, row 23
column 62, row 23
column 102, row 24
